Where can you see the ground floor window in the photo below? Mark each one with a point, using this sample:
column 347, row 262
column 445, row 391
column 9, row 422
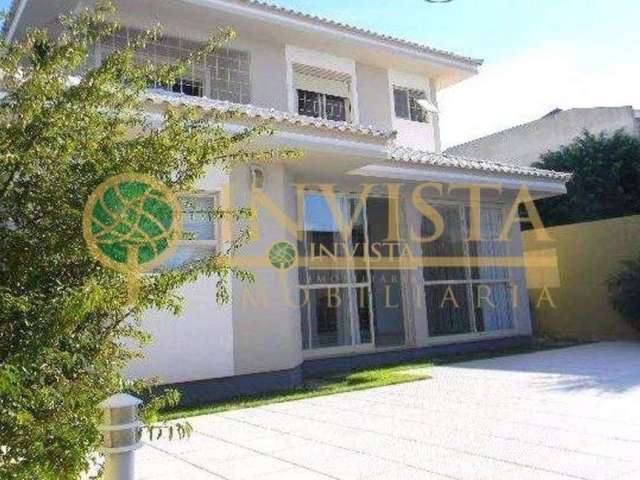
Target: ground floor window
column 465, row 297
column 199, row 229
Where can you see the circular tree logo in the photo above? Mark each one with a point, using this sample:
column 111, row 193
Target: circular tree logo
column 282, row 255
column 131, row 223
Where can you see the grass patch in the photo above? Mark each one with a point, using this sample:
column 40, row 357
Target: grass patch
column 330, row 384
column 313, row 387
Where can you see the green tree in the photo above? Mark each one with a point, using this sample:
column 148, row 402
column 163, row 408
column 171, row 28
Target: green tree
column 605, row 183
column 624, row 291
column 63, row 316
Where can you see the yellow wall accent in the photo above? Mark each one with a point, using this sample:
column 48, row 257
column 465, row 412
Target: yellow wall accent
column 586, row 254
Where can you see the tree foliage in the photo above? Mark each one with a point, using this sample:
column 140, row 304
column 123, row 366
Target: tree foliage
column 605, row 183
column 63, row 316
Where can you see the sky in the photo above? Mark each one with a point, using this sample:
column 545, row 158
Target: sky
column 539, row 54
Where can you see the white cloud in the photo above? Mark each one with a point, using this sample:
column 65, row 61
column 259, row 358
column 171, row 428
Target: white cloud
column 535, row 82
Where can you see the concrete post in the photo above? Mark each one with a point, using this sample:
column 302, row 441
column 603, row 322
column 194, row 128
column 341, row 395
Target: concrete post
column 121, row 439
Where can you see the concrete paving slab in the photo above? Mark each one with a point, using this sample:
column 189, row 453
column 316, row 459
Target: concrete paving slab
column 554, row 415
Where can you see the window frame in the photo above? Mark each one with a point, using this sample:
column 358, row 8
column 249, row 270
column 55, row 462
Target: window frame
column 469, row 281
column 322, row 99
column 168, row 50
column 424, row 117
column 215, row 196
column 193, row 81
column 211, row 245
column 352, row 286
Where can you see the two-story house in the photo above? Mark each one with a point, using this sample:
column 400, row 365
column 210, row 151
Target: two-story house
column 363, row 107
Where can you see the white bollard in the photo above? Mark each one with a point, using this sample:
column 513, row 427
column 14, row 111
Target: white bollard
column 121, row 439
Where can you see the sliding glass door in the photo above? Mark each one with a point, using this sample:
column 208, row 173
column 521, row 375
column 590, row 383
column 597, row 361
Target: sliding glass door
column 386, row 285
column 335, row 292
column 347, row 306
column 466, row 297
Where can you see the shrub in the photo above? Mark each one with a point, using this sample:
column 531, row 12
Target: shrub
column 624, row 291
column 64, row 318
column 605, row 183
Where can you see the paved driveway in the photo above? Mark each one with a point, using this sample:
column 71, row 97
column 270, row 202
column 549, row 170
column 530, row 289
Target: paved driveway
column 561, row 414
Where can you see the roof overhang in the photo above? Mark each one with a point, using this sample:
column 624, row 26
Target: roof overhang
column 539, row 188
column 446, row 68
column 271, row 23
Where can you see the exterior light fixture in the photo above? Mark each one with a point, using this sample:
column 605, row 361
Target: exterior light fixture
column 120, row 436
column 257, row 177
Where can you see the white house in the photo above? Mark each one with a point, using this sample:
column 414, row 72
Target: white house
column 363, row 107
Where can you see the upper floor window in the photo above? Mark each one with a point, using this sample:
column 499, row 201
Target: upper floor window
column 322, row 93
column 186, row 85
column 189, row 86
column 222, row 75
column 407, row 106
column 314, row 104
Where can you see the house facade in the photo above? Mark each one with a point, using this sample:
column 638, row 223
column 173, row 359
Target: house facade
column 523, row 144
column 363, row 108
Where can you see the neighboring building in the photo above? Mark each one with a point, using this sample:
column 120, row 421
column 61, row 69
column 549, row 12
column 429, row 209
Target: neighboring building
column 363, row 106
column 523, row 144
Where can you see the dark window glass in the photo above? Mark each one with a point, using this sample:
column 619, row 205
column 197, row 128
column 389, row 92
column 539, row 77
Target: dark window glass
column 448, row 309
column 319, row 105
column 309, row 103
column 188, row 86
column 328, row 317
column 364, row 314
column 493, row 305
column 450, row 244
column 407, row 106
column 415, row 110
column 401, row 103
column 335, row 108
column 386, row 284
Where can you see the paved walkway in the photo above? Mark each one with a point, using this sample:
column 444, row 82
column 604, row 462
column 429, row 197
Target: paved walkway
column 557, row 415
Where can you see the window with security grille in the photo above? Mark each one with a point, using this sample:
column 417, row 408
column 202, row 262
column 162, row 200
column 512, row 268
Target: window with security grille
column 335, row 108
column 322, row 93
column 188, row 86
column 320, row 105
column 221, row 75
column 407, row 106
column 309, row 103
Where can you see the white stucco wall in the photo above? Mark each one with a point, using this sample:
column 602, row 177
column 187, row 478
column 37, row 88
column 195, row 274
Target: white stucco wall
column 198, row 344
column 375, row 105
column 266, row 325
